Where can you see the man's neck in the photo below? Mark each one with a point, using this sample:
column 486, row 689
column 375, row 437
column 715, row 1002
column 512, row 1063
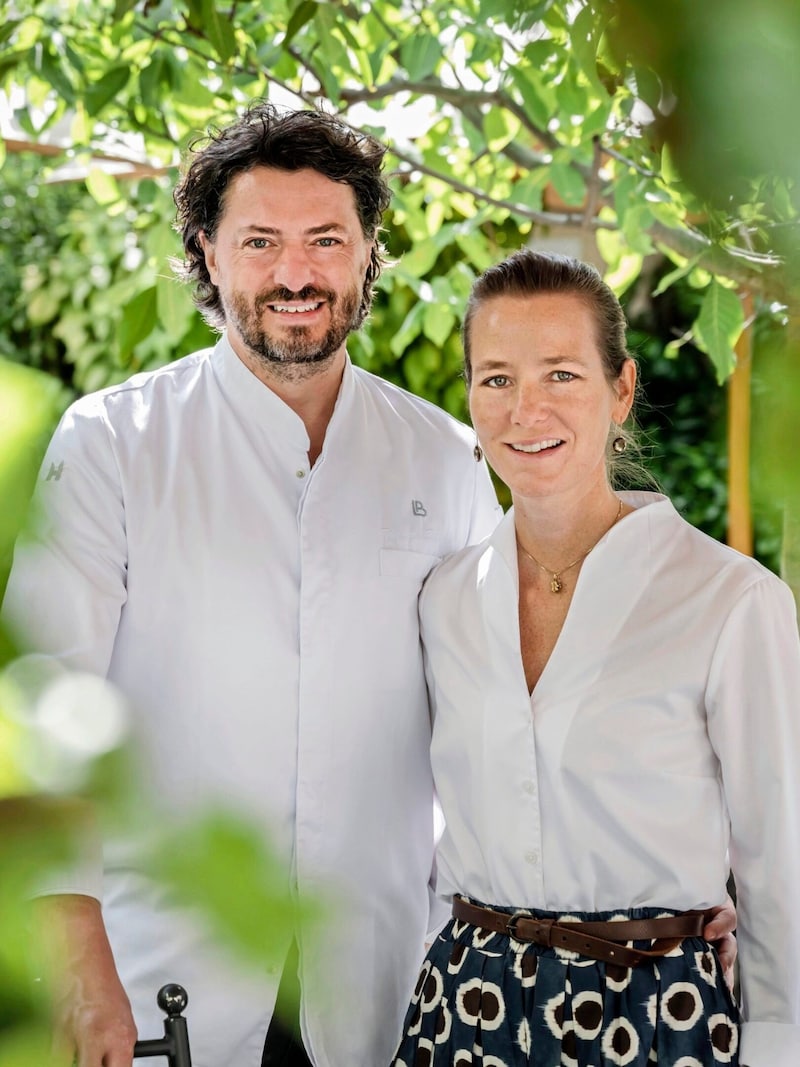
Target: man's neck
column 310, row 390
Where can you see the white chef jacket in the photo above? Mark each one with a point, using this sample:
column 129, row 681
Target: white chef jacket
column 261, row 618
column 664, row 730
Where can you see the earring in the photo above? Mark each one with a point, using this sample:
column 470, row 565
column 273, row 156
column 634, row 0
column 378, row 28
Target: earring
column 477, row 453
column 619, row 444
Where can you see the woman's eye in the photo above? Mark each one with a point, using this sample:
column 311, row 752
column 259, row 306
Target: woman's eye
column 497, row 381
column 563, row 375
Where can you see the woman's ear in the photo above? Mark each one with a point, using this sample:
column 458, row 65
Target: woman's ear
column 625, row 388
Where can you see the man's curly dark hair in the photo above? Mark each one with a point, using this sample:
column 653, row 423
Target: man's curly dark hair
column 290, row 140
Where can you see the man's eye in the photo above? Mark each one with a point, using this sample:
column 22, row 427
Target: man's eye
column 258, row 242
column 327, row 242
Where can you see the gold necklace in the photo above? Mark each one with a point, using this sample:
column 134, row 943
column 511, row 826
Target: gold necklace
column 556, row 585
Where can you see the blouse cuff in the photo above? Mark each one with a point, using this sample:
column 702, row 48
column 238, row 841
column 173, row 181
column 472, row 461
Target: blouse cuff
column 770, row 1045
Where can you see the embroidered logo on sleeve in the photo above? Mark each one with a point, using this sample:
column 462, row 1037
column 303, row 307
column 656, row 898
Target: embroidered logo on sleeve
column 54, row 474
column 418, row 507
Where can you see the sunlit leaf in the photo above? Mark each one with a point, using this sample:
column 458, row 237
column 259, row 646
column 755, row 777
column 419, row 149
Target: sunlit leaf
column 302, row 14
column 253, row 913
column 420, row 55
column 106, row 89
column 138, row 321
column 102, row 186
column 568, row 183
column 218, row 29
column 718, row 326
column 438, row 323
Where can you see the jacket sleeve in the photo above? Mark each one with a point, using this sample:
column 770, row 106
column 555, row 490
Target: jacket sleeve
column 67, row 587
column 68, row 580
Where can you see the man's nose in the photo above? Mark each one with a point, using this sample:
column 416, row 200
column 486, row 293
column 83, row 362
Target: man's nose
column 292, row 268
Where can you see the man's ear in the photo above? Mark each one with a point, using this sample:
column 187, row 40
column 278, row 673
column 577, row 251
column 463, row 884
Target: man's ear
column 210, row 253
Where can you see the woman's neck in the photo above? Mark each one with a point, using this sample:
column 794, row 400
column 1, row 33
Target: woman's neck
column 556, row 530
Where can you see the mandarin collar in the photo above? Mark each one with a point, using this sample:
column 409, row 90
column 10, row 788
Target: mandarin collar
column 260, row 405
column 503, row 539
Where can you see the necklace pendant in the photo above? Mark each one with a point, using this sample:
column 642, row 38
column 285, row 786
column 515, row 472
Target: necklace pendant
column 556, row 584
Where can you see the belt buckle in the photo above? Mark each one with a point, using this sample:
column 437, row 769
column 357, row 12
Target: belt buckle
column 542, row 929
column 541, row 935
column 511, row 925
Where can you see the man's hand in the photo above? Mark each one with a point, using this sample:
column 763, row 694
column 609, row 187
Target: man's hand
column 720, row 924
column 92, row 1013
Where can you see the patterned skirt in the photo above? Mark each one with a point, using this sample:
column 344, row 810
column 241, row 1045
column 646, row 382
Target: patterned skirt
column 488, row 999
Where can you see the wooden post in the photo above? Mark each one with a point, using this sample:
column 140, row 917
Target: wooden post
column 740, row 518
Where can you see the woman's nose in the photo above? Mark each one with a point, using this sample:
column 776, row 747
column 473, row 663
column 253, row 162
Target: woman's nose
column 530, row 405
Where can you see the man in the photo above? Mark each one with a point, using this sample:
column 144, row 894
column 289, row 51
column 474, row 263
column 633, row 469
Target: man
column 237, row 541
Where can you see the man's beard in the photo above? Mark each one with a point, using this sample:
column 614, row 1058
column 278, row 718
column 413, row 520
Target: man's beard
column 298, row 354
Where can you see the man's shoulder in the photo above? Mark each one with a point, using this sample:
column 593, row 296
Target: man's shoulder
column 161, row 381
column 415, row 410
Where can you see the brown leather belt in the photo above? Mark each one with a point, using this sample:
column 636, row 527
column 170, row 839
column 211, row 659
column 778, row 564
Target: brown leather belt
column 598, row 940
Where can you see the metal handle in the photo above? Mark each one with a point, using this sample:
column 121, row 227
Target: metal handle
column 172, row 999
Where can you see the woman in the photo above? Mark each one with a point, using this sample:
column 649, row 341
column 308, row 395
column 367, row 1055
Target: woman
column 615, row 705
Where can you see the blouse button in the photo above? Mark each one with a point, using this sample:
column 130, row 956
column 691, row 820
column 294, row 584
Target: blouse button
column 300, row 473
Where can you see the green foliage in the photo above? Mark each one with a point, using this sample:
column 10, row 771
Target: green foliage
column 537, row 111
column 92, row 295
column 195, row 862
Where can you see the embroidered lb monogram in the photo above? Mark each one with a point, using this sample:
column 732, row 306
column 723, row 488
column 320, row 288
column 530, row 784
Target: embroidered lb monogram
column 418, row 507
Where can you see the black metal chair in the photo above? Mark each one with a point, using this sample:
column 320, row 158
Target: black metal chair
column 172, row 999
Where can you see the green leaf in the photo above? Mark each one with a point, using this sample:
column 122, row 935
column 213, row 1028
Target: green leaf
column 568, row 183
column 7, row 28
column 572, row 98
column 122, row 7
column 254, row 913
column 718, row 326
column 584, row 46
column 138, row 320
column 648, row 87
column 626, row 192
column 499, row 127
column 409, row 330
column 638, row 220
column 302, row 14
column 420, row 55
column 103, row 92
column 438, row 323
column 53, row 71
column 150, row 78
column 529, row 191
column 174, row 307
column 674, row 276
column 218, row 30
column 102, row 186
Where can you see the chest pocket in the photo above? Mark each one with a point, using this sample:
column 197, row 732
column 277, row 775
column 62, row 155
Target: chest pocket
column 402, row 563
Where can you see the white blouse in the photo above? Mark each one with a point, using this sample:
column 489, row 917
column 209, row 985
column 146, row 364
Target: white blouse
column 660, row 746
